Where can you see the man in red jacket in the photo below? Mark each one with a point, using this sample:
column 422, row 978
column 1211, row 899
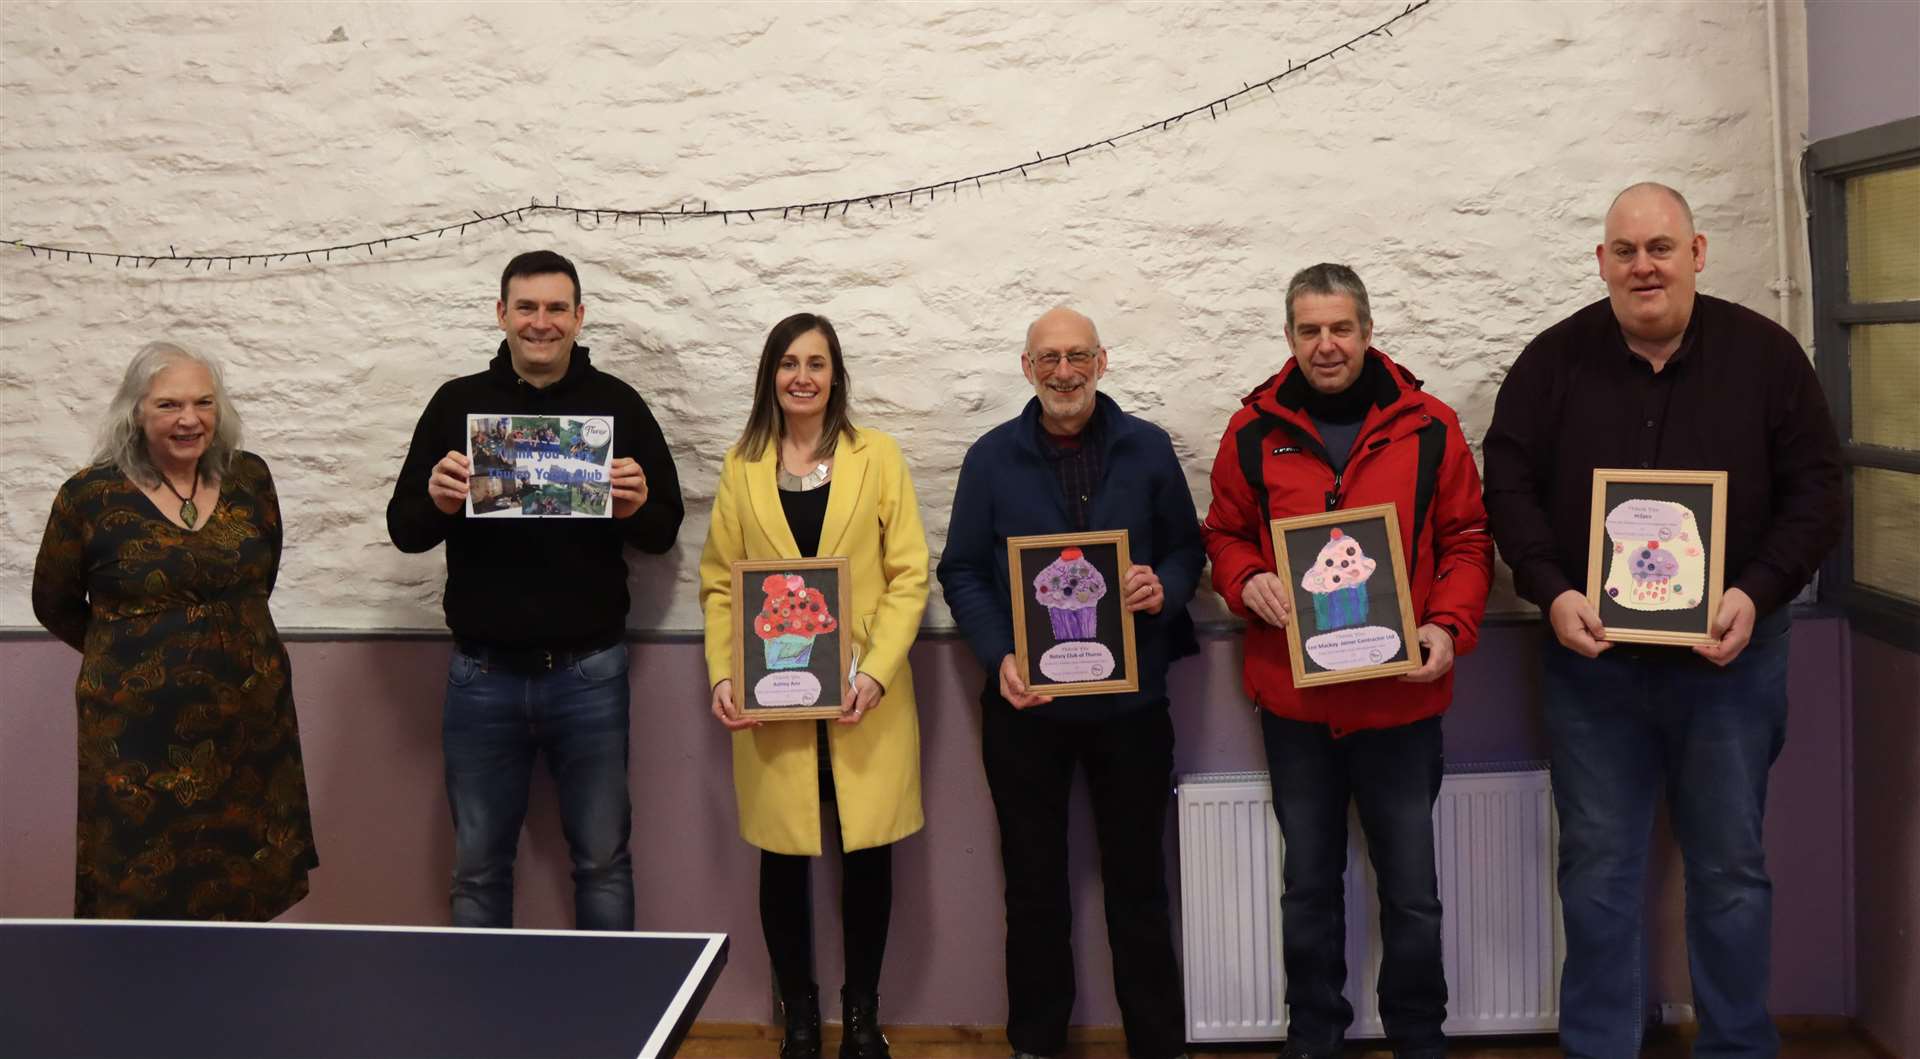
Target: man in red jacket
column 1342, row 426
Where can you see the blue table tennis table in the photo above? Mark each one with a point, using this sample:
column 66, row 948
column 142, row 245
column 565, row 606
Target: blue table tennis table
column 104, row 989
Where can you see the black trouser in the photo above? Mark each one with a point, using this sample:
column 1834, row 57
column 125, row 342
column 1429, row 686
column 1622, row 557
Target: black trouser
column 1129, row 763
column 866, row 905
column 1392, row 776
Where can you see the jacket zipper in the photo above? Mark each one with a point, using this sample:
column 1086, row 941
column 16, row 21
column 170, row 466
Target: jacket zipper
column 1310, row 444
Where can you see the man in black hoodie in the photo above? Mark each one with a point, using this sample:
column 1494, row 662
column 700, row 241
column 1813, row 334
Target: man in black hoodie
column 537, row 607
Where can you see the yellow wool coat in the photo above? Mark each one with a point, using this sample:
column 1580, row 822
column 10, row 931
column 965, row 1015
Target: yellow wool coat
column 873, row 520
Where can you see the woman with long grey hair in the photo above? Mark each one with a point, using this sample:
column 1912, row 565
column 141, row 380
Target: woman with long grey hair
column 156, row 565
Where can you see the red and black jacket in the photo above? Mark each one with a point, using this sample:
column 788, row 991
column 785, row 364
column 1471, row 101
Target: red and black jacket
column 1410, row 453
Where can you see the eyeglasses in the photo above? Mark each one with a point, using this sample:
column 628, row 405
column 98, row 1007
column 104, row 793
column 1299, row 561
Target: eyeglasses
column 1077, row 359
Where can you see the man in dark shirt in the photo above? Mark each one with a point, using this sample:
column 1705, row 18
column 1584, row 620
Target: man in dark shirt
column 537, row 606
column 1072, row 460
column 1659, row 376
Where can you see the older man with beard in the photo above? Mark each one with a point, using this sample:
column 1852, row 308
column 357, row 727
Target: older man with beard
column 1657, row 375
column 1073, row 461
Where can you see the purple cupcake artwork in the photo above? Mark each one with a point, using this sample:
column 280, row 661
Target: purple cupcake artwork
column 1070, row 589
column 1656, row 560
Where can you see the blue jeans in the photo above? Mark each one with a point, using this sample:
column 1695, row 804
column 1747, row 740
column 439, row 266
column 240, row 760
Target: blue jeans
column 1391, row 776
column 495, row 722
column 1621, row 727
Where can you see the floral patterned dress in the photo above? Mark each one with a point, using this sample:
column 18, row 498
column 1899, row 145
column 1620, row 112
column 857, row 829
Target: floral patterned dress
column 193, row 800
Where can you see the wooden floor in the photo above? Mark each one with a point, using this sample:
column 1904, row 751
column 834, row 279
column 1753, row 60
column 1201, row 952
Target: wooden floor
column 923, row 1042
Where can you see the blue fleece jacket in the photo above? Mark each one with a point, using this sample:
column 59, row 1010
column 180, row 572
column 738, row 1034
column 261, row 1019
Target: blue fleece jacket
column 1008, row 489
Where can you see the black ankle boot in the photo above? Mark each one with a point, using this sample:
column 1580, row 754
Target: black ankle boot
column 860, row 1036
column 803, row 1025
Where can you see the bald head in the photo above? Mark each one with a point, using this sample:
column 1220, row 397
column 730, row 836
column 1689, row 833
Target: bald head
column 1639, row 196
column 1062, row 322
column 1064, row 362
column 1649, row 260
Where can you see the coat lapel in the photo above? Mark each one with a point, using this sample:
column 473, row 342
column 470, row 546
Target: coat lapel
column 764, row 494
column 849, row 478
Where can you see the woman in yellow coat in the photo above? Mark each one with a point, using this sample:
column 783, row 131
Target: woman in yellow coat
column 803, row 481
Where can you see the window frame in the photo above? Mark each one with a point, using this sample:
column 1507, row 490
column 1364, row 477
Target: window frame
column 1825, row 169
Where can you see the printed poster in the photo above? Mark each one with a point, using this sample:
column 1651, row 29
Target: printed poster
column 555, row 466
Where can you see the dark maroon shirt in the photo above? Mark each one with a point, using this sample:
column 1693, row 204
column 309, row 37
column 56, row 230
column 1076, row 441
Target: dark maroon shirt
column 1076, row 461
column 1739, row 396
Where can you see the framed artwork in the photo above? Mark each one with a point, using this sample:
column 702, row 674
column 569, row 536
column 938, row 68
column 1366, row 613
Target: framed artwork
column 1352, row 613
column 1656, row 554
column 1072, row 635
column 792, row 655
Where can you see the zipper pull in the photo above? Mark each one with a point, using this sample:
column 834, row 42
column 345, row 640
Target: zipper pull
column 1333, row 495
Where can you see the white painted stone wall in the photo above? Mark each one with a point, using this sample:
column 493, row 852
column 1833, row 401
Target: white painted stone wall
column 1462, row 165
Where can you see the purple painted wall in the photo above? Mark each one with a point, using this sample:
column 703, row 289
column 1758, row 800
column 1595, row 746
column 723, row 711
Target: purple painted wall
column 370, row 714
column 1863, row 64
column 1863, row 70
column 1886, row 762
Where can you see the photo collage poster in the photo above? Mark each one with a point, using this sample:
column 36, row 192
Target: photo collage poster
column 557, row 466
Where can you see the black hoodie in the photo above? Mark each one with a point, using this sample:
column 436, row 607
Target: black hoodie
column 556, row 583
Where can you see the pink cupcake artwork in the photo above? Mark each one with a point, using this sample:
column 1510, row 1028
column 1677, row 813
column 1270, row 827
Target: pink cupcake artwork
column 1656, row 560
column 1337, row 582
column 1070, row 589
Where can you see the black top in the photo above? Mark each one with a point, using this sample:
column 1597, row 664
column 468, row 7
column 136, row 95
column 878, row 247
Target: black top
column 806, row 513
column 1739, row 396
column 1339, row 416
column 555, row 583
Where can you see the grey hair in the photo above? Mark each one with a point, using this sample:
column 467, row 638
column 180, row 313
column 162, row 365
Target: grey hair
column 123, row 442
column 1326, row 278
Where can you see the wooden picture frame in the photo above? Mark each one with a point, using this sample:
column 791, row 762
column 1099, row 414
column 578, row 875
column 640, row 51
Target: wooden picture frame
column 777, row 676
column 1654, row 574
column 1331, row 563
column 1085, row 647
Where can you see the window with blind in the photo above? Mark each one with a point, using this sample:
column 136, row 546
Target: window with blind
column 1864, row 195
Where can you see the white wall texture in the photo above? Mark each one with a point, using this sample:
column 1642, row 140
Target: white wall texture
column 1462, row 165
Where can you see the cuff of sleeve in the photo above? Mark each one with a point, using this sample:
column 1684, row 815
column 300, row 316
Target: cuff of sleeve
column 1547, row 583
column 1763, row 588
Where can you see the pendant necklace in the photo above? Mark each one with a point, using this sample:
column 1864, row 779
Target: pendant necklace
column 188, row 512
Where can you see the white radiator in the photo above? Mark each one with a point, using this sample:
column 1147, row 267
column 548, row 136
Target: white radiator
column 1494, row 844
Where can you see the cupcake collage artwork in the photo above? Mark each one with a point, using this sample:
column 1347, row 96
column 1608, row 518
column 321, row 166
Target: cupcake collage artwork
column 1658, row 561
column 791, row 653
column 1655, row 567
column 1074, row 633
column 1349, row 617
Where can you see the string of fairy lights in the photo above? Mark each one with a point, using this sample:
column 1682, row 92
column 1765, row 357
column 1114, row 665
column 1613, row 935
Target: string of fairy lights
column 822, row 209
